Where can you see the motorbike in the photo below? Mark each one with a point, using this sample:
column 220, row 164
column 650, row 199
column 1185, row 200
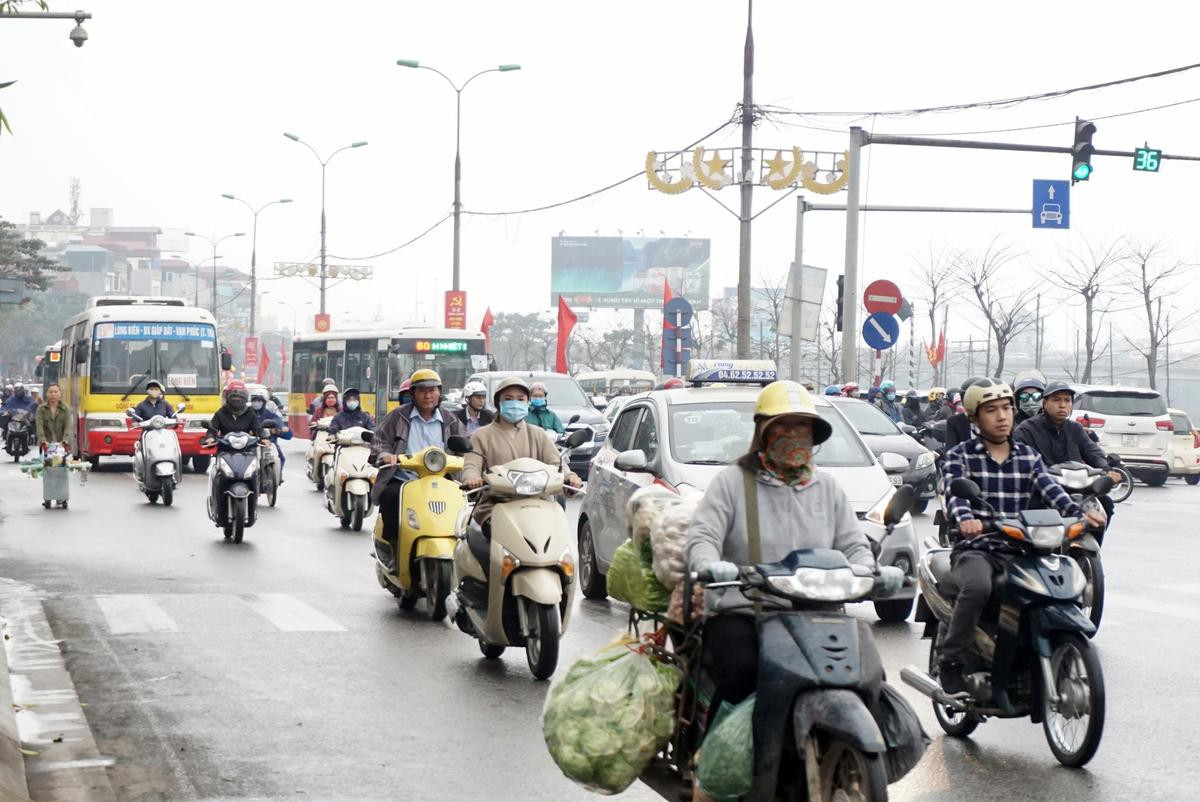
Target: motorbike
column 320, row 453
column 233, row 481
column 269, row 470
column 1080, row 481
column 433, row 510
column 1123, row 489
column 348, row 481
column 157, row 461
column 816, row 730
column 515, row 582
column 18, row 434
column 1032, row 644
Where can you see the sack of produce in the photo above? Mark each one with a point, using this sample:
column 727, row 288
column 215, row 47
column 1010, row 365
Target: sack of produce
column 726, row 765
column 902, row 732
column 667, row 539
column 675, row 609
column 631, row 579
column 644, row 506
column 607, row 718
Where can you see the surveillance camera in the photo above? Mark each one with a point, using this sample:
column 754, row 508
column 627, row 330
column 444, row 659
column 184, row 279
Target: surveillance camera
column 79, row 35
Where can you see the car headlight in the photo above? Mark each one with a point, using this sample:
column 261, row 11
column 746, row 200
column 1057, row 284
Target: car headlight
column 829, row 585
column 435, row 460
column 225, row 468
column 529, row 483
column 925, row 460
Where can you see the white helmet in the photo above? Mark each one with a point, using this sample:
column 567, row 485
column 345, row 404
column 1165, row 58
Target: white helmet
column 983, row 391
column 474, row 388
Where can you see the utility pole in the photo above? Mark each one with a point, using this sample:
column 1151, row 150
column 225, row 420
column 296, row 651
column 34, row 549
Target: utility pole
column 1167, row 353
column 850, row 290
column 796, row 281
column 747, row 188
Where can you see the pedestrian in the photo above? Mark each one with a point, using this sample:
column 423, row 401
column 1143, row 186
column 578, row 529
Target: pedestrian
column 54, row 422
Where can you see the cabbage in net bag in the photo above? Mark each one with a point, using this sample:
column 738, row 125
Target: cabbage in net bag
column 726, row 770
column 608, row 717
column 631, row 579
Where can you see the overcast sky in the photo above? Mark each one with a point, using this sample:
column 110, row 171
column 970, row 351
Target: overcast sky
column 170, row 104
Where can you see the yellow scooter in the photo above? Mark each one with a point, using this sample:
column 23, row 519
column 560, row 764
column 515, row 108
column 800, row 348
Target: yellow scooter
column 430, row 508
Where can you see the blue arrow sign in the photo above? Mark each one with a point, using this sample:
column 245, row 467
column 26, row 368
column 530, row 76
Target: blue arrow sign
column 678, row 306
column 1051, row 203
column 881, row 331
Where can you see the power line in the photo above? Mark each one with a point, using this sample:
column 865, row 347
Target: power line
column 392, row 250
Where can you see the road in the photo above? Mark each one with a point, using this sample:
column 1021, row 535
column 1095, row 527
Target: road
column 278, row 669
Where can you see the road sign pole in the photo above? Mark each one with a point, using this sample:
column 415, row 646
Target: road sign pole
column 797, row 289
column 878, row 368
column 678, row 343
column 850, row 293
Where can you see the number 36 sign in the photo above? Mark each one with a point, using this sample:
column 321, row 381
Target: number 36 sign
column 1146, row 159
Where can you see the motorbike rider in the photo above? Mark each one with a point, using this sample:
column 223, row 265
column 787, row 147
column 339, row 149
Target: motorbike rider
column 407, row 429
column 937, row 399
column 235, row 415
column 328, row 408
column 887, row 401
column 540, row 413
column 1059, row 439
column 510, row 436
column 833, row 389
column 958, row 424
column 319, row 401
column 798, row 507
column 154, row 403
column 19, row 401
column 260, row 403
column 352, row 413
column 850, row 390
column 474, row 413
column 1008, row 473
column 1030, row 388
column 913, row 415
column 54, row 422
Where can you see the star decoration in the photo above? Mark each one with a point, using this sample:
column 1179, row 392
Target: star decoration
column 716, row 166
column 778, row 167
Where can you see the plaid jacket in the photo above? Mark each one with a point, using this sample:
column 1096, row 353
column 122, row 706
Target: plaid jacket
column 1007, row 487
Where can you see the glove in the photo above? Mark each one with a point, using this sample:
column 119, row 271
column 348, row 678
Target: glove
column 723, row 571
column 891, row 579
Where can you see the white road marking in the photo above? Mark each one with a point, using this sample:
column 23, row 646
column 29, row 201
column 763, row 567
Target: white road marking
column 128, row 614
column 290, row 614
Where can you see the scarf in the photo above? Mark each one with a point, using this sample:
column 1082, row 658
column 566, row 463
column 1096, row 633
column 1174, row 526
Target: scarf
column 787, row 457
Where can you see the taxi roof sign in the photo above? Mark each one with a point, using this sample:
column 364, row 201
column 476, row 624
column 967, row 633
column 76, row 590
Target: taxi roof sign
column 733, row 371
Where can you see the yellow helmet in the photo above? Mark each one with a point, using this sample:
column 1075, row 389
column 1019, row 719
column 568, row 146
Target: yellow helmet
column 425, row 377
column 934, row 392
column 782, row 398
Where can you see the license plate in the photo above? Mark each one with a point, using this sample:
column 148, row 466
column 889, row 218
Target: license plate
column 896, row 479
column 1129, row 439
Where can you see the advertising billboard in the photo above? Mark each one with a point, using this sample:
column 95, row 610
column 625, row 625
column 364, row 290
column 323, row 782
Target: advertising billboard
column 628, row 272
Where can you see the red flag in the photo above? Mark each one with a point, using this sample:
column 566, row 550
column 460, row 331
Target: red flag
column 566, row 322
column 264, row 361
column 662, row 357
column 485, row 328
column 941, row 349
column 283, row 361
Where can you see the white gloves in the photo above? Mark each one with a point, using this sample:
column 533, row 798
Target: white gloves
column 723, row 571
column 892, row 579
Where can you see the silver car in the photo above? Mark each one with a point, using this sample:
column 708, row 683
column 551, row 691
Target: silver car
column 682, row 438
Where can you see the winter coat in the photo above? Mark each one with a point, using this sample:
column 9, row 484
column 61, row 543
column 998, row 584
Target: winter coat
column 501, row 442
column 545, row 418
column 392, row 438
column 57, row 426
column 147, row 409
column 1057, row 444
column 347, row 419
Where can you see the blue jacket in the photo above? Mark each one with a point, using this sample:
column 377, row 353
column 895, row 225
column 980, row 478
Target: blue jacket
column 264, row 415
column 147, row 410
column 890, row 408
column 22, row 404
column 347, row 419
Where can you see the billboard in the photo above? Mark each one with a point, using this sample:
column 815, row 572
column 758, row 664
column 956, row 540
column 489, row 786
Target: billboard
column 628, row 272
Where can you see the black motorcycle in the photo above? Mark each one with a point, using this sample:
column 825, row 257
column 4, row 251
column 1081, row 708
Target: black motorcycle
column 18, row 433
column 1083, row 483
column 1032, row 648
column 233, row 483
column 821, row 694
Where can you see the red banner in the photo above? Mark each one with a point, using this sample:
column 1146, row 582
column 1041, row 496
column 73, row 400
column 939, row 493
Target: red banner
column 485, row 328
column 264, row 362
column 322, row 323
column 250, row 361
column 456, row 309
column 566, row 322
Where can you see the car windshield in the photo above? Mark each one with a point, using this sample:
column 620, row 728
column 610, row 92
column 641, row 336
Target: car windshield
column 718, row 434
column 868, row 418
column 1118, row 402
column 561, row 391
column 127, row 355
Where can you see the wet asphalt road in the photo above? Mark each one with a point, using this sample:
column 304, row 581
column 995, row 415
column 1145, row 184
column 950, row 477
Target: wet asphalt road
column 278, row 669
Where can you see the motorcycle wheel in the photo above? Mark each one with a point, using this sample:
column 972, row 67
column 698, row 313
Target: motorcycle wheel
column 850, row 775
column 1093, row 595
column 152, row 497
column 356, row 514
column 344, row 519
column 952, row 722
column 200, row 463
column 437, row 588
column 593, row 583
column 168, row 493
column 272, row 488
column 541, row 644
column 228, row 532
column 321, row 477
column 1073, row 732
column 1124, row 489
column 490, row 650
column 46, row 504
column 237, row 519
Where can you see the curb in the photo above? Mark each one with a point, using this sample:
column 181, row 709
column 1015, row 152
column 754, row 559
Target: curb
column 12, row 762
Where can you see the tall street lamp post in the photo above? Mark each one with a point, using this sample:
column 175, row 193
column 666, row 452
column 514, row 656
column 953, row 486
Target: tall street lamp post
column 214, row 244
column 458, row 90
column 254, row 248
column 324, row 162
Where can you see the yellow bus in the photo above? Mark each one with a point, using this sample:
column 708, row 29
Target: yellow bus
column 377, row 362
column 119, row 343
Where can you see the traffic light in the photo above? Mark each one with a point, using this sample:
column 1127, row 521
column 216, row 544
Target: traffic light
column 1082, row 150
column 841, row 285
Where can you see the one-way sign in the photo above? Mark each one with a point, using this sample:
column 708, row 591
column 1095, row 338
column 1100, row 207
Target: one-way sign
column 1051, row 203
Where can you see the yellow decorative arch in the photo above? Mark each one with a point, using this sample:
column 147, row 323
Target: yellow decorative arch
column 809, row 172
column 785, row 178
column 656, row 181
column 710, row 172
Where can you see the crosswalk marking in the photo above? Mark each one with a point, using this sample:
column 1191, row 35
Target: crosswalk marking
column 127, row 614
column 290, row 614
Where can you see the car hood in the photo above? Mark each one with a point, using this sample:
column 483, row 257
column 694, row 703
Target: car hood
column 588, row 416
column 900, row 444
column 864, row 486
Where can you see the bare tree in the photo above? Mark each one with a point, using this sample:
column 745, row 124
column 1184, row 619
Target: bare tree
column 1149, row 275
column 724, row 325
column 1084, row 273
column 1006, row 313
column 829, row 343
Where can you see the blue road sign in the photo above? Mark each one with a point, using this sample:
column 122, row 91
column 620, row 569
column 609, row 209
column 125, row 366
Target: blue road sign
column 881, row 331
column 678, row 306
column 672, row 334
column 669, row 361
column 1051, row 203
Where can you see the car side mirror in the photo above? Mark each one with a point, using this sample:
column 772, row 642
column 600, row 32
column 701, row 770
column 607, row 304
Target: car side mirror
column 965, row 488
column 599, row 402
column 579, row 437
column 892, row 462
column 900, row 505
column 226, row 360
column 458, row 445
column 631, row 461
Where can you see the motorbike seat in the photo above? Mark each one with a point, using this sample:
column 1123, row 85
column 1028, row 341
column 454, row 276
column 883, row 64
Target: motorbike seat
column 480, row 544
column 943, row 575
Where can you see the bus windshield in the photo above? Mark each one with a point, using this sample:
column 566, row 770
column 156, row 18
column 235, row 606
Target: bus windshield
column 181, row 355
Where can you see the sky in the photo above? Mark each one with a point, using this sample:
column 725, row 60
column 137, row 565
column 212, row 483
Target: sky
column 170, row 104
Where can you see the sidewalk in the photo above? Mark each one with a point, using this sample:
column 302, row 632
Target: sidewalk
column 12, row 762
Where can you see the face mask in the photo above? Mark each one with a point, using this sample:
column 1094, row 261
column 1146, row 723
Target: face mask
column 889, row 395
column 788, row 456
column 237, row 404
column 537, row 403
column 257, row 404
column 351, row 405
column 514, row 410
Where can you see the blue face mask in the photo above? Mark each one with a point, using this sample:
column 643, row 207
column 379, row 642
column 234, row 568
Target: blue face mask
column 889, row 395
column 538, row 403
column 513, row 410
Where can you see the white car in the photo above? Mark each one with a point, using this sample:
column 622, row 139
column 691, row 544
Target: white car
column 682, row 438
column 1131, row 422
column 1185, row 447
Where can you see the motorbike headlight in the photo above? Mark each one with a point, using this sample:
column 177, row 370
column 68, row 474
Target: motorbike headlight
column 252, row 468
column 225, row 468
column 410, row 518
column 816, row 584
column 529, row 483
column 925, row 460
column 435, row 460
column 1046, row 537
column 238, row 440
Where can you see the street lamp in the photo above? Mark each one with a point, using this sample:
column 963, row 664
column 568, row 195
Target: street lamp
column 214, row 244
column 458, row 90
column 323, row 162
column 295, row 308
column 254, row 247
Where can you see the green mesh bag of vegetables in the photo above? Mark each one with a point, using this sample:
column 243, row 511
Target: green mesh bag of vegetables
column 607, row 718
column 726, row 770
column 631, row 578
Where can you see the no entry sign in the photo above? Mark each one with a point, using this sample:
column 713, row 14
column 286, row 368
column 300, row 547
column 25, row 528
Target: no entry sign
column 882, row 296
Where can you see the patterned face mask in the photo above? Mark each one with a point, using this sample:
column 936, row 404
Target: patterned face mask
column 787, row 455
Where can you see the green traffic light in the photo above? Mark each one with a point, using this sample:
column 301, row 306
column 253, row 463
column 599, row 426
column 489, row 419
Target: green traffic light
column 1083, row 171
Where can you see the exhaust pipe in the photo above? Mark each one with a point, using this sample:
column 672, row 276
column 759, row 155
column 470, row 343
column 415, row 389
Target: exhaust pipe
column 928, row 686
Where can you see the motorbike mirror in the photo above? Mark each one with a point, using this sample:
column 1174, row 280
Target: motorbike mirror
column 901, row 503
column 458, row 445
column 181, row 408
column 579, row 437
column 965, row 488
column 574, row 419
column 1102, row 485
column 130, row 413
column 366, row 436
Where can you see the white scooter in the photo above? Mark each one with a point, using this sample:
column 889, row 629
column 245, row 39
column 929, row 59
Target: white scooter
column 348, row 481
column 157, row 461
column 320, row 453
